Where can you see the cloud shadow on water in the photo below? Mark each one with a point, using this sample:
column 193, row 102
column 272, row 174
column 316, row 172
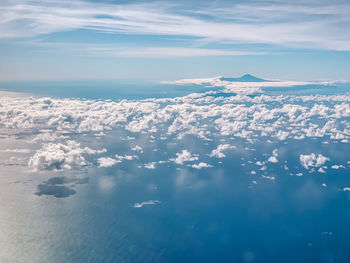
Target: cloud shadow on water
column 56, row 186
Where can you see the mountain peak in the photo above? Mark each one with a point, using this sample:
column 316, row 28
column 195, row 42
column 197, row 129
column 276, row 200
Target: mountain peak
column 248, row 76
column 244, row 78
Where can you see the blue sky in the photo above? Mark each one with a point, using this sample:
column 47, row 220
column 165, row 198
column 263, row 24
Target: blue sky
column 162, row 40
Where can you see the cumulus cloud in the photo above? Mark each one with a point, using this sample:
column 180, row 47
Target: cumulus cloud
column 198, row 115
column 107, row 161
column 282, row 135
column 335, row 166
column 201, row 165
column 126, row 157
column 184, row 156
column 137, row 148
column 247, row 119
column 151, row 165
column 312, row 160
column 218, row 152
column 321, row 170
column 58, row 156
column 273, row 158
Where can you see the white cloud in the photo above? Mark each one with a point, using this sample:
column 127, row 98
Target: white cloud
column 151, row 165
column 184, row 156
column 319, row 25
column 321, row 170
column 282, row 135
column 150, row 202
column 264, row 168
column 218, row 152
column 137, row 148
column 201, row 165
column 335, row 166
column 58, row 156
column 126, row 157
column 273, row 158
column 160, row 52
column 238, row 116
column 107, row 161
column 312, row 160
column 240, row 87
column 268, row 177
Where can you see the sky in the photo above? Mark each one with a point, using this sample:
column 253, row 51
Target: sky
column 167, row 40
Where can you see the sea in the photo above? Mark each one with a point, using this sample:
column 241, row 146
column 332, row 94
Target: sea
column 145, row 171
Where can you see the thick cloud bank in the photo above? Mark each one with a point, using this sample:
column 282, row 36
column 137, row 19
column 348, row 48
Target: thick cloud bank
column 56, row 126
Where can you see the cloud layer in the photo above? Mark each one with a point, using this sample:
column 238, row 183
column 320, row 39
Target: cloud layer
column 304, row 24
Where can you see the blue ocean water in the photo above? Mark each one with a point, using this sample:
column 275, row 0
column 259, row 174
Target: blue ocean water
column 101, row 89
column 219, row 214
column 142, row 89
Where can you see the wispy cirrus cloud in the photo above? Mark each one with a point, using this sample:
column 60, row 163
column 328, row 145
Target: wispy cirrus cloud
column 160, row 52
column 304, row 24
column 136, row 51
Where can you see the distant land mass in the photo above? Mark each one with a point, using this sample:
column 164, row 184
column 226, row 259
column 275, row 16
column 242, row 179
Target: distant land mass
column 245, row 78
